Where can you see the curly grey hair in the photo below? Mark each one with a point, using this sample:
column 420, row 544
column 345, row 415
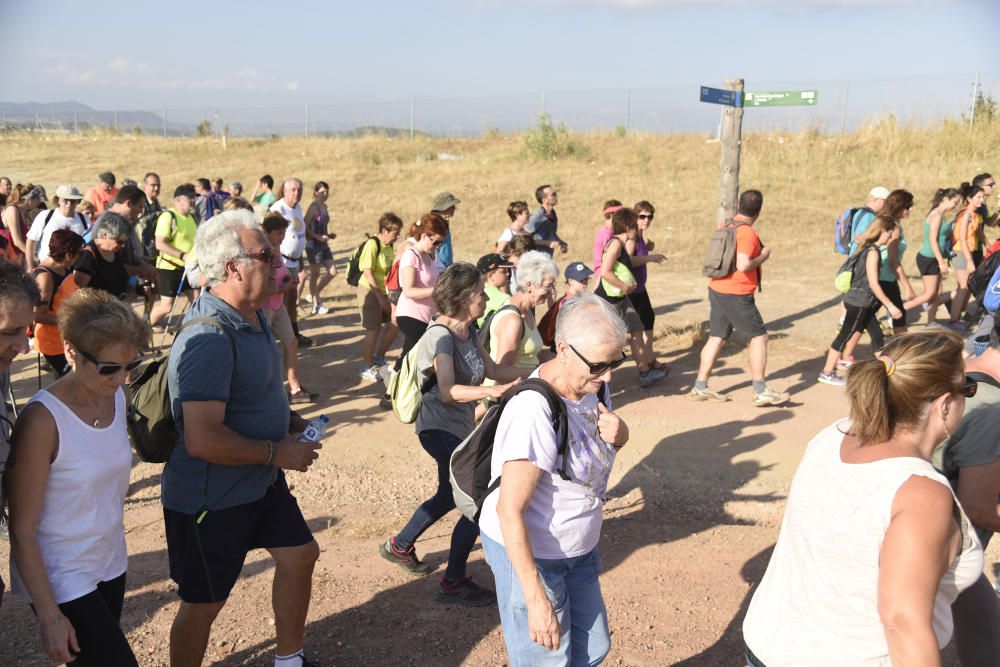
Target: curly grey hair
column 113, row 226
column 533, row 268
column 587, row 320
column 218, row 242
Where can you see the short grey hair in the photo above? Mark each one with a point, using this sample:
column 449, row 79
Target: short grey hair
column 533, row 268
column 113, row 226
column 587, row 320
column 292, row 180
column 218, row 242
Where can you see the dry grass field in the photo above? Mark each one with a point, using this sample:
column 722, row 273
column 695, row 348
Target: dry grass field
column 696, row 497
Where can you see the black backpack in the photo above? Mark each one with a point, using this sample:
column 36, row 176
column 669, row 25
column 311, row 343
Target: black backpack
column 354, row 272
column 469, row 467
column 149, row 234
column 979, row 279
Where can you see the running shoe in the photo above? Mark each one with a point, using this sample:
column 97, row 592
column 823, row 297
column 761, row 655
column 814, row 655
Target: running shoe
column 651, row 376
column 770, row 397
column 304, row 341
column 465, row 591
column 406, row 559
column 831, row 379
column 371, row 374
column 706, row 394
column 319, row 310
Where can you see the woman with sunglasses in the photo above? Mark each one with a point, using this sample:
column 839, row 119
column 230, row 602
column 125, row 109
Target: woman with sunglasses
column 101, row 264
column 68, row 486
column 540, row 531
column 318, row 251
column 639, row 250
column 451, row 354
column 873, row 547
column 418, row 272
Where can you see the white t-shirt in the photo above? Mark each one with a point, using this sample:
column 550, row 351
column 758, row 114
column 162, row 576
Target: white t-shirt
column 294, row 243
column 563, row 517
column 817, row 604
column 40, row 232
column 506, row 236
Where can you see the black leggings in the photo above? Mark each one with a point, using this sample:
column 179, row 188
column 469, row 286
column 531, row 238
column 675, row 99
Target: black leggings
column 856, row 320
column 412, row 329
column 95, row 618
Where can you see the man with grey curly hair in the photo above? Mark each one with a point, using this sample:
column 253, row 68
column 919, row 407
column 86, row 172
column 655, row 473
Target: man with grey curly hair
column 223, row 489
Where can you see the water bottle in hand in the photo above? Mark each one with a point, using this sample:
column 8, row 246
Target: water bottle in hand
column 315, row 430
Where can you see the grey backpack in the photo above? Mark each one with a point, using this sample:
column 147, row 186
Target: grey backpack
column 720, row 260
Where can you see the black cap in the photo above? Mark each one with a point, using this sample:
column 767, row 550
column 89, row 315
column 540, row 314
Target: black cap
column 185, row 190
column 492, row 261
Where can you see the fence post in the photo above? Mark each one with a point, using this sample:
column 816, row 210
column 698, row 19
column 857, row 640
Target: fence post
column 412, row 107
column 306, row 134
column 843, row 111
column 628, row 110
column 729, row 165
column 975, row 98
column 543, row 102
column 75, row 127
column 164, row 123
column 116, row 120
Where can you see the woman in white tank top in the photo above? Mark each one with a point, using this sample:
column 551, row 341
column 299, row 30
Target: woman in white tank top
column 67, row 488
column 873, row 547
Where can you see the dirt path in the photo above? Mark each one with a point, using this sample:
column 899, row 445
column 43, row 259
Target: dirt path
column 696, row 499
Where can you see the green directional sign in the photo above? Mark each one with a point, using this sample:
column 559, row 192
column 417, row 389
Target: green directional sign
column 781, row 98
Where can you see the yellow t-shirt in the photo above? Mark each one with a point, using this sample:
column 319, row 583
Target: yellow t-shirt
column 378, row 261
column 179, row 230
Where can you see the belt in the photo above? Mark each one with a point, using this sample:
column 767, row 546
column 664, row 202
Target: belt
column 292, row 259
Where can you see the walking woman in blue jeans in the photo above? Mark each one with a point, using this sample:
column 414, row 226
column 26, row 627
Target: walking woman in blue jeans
column 539, row 530
column 450, row 354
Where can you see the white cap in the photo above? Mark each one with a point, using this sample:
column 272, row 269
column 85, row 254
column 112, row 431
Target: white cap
column 879, row 192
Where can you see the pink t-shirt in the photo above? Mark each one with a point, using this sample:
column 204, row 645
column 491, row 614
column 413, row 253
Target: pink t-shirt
column 280, row 277
column 427, row 274
column 604, row 235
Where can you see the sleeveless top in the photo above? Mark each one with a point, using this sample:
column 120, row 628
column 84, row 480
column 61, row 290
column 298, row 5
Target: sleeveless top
column 624, row 258
column 47, row 338
column 318, row 226
column 817, row 603
column 885, row 272
column 942, row 238
column 971, row 230
column 13, row 252
column 527, row 348
column 81, row 528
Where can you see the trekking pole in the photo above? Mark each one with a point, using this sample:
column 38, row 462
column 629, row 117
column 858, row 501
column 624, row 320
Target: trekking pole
column 170, row 315
column 13, row 401
column 38, row 364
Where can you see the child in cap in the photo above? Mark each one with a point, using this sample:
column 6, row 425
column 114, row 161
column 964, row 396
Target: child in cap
column 577, row 276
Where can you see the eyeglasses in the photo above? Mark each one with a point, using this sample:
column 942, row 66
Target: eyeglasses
column 266, row 255
column 107, row 368
column 601, row 367
column 991, row 184
column 548, row 288
column 969, row 387
column 437, row 243
column 645, row 216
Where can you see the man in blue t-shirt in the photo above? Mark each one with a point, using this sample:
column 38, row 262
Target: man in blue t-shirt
column 223, row 489
column 863, row 217
column 544, row 223
column 444, row 205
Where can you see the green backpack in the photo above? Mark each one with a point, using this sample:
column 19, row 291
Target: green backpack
column 150, row 417
column 408, row 386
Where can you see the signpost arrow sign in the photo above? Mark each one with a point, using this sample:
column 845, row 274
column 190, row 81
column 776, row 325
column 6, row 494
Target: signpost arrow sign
column 781, row 98
column 729, row 98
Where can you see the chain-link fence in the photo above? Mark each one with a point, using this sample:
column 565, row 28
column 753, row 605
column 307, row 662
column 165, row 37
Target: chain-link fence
column 841, row 106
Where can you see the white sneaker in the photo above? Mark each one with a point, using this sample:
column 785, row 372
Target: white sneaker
column 831, row 379
column 385, row 374
column 371, row 374
column 319, row 310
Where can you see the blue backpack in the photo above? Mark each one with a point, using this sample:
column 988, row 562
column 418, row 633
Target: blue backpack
column 843, row 231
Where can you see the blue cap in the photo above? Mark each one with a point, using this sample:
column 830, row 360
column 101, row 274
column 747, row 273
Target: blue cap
column 578, row 271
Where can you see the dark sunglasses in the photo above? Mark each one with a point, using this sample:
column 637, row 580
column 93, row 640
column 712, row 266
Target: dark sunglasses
column 106, row 368
column 645, row 216
column 969, row 387
column 599, row 368
column 266, row 255
column 438, row 243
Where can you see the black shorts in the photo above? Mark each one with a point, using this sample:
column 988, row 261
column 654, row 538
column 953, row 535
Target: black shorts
column 729, row 312
column 319, row 253
column 891, row 289
column 640, row 301
column 206, row 558
column 928, row 266
column 170, row 280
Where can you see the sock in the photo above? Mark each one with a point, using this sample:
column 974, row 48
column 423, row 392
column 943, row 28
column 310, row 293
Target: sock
column 295, row 329
column 701, row 385
column 293, row 660
column 759, row 386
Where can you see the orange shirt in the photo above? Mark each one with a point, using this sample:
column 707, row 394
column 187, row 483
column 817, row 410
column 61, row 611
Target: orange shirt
column 47, row 338
column 100, row 199
column 741, row 282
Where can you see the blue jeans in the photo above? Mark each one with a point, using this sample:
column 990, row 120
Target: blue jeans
column 440, row 445
column 573, row 589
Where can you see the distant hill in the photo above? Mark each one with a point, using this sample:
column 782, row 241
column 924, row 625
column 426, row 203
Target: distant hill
column 31, row 108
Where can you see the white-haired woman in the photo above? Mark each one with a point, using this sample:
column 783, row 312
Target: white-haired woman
column 101, row 264
column 514, row 339
column 540, row 531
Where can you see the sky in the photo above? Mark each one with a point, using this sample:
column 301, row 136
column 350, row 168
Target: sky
column 205, row 54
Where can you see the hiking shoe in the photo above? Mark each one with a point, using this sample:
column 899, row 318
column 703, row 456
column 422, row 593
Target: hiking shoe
column 465, row 591
column 405, row 559
column 319, row 310
column 651, row 376
column 706, row 394
column 846, row 362
column 769, row 397
column 304, row 341
column 831, row 379
column 371, row 373
column 385, row 402
column 302, row 396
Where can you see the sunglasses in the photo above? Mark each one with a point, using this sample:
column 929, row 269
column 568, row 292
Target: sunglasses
column 645, row 216
column 106, row 368
column 969, row 387
column 266, row 255
column 437, row 244
column 599, row 368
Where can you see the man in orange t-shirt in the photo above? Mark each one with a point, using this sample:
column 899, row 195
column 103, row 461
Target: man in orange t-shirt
column 732, row 307
column 102, row 194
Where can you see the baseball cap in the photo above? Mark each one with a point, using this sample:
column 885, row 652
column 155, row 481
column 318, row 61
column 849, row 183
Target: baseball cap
column 443, row 201
column 578, row 271
column 68, row 192
column 879, row 192
column 107, row 177
column 185, row 190
column 492, row 261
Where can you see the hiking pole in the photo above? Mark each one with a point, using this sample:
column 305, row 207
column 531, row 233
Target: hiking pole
column 170, row 315
column 38, row 364
column 10, row 394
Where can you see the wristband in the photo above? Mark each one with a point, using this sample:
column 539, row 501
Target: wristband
column 270, row 453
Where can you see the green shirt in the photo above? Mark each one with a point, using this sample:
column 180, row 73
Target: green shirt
column 944, row 231
column 495, row 299
column 265, row 199
column 179, row 231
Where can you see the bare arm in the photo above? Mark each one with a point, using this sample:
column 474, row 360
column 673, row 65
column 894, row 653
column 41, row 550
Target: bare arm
column 506, row 337
column 46, row 287
column 10, row 219
column 647, row 259
column 871, row 273
column 29, row 252
column 500, row 372
column 36, row 440
column 206, row 437
column 311, row 213
column 517, row 485
column 745, row 263
column 611, row 254
column 963, row 242
column 921, row 541
column 978, row 490
column 444, row 368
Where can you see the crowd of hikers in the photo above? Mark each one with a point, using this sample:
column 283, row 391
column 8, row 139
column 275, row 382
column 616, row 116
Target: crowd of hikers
column 505, row 372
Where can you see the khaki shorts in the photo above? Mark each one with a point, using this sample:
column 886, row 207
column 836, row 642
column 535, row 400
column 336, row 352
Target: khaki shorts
column 372, row 315
column 281, row 326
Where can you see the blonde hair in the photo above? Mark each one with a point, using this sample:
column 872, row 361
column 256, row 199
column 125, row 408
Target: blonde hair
column 881, row 223
column 92, row 319
column 892, row 392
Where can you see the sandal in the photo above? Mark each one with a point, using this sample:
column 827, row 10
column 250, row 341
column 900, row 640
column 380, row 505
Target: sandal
column 302, row 396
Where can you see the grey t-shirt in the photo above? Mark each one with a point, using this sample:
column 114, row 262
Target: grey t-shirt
column 456, row 418
column 544, row 226
column 201, row 368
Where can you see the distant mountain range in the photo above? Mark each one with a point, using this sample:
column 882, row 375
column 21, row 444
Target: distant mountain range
column 31, row 108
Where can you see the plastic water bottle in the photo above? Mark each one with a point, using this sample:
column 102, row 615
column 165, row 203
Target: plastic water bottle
column 316, row 430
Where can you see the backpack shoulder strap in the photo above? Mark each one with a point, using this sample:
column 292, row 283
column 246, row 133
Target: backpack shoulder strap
column 984, row 378
column 558, row 411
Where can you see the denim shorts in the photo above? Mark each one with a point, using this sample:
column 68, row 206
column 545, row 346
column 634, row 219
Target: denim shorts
column 574, row 590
